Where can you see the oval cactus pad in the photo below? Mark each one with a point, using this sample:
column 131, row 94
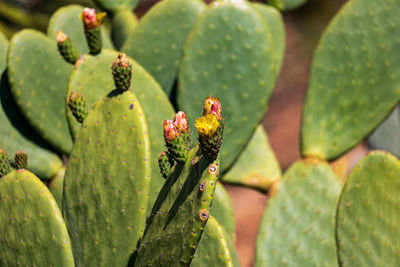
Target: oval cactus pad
column 32, row 230
column 368, row 213
column 38, row 77
column 113, row 6
column 355, row 79
column 298, row 225
column 238, row 67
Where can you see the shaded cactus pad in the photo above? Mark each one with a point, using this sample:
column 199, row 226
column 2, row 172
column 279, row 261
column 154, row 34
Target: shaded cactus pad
column 113, row 6
column 106, row 184
column 355, row 81
column 368, row 212
column 298, row 225
column 32, row 230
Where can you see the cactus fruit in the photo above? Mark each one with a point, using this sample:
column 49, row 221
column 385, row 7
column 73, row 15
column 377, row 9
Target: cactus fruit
column 215, row 248
column 298, row 225
column 122, row 72
column 92, row 78
column 77, row 105
column 176, row 137
column 354, row 83
column 66, row 47
column 367, row 227
column 20, row 160
column 180, row 213
column 169, row 22
column 92, row 22
column 107, row 181
column 38, row 77
column 5, row 167
column 257, row 166
column 67, row 19
column 32, row 230
column 239, row 68
column 165, row 163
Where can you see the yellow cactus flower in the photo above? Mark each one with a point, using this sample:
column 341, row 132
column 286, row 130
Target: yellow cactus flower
column 207, row 126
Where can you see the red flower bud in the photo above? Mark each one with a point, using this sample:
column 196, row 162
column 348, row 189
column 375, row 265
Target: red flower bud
column 212, row 106
column 89, row 18
column 181, row 122
column 170, row 131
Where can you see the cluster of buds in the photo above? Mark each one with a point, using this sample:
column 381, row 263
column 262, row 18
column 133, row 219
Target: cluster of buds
column 91, row 24
column 20, row 160
column 66, row 47
column 122, row 72
column 210, row 128
column 77, row 105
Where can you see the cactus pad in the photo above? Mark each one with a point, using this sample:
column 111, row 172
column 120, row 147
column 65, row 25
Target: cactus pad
column 354, row 82
column 286, row 5
column 3, row 51
column 113, row 6
column 238, row 67
column 67, row 19
column 93, row 78
column 298, row 225
column 107, row 182
column 367, row 219
column 180, row 213
column 38, row 77
column 122, row 24
column 56, row 186
column 169, row 22
column 32, row 230
column 257, row 165
column 215, row 248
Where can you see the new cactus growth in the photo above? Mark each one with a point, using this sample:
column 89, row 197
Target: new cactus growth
column 176, row 136
column 122, row 72
column 91, row 24
column 66, row 47
column 165, row 162
column 4, row 163
column 20, row 160
column 77, row 105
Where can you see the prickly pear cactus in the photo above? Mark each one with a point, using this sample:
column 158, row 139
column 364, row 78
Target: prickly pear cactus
column 113, row 6
column 92, row 78
column 215, row 248
column 180, row 213
column 32, row 230
column 287, row 5
column 257, row 165
column 169, row 22
column 38, row 77
column 298, row 225
column 3, row 51
column 367, row 226
column 354, row 82
column 67, row 19
column 106, row 184
column 238, row 67
column 56, row 186
column 122, row 24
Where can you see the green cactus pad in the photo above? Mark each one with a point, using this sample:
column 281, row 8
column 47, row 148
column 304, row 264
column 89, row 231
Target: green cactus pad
column 169, row 23
column 67, row 19
column 113, row 6
column 286, row 5
column 238, row 67
column 32, row 230
column 276, row 25
column 106, row 185
column 122, row 24
column 93, row 79
column 257, row 166
column 368, row 212
column 386, row 136
column 215, row 248
column 222, row 210
column 15, row 134
column 3, row 51
column 354, row 82
column 298, row 225
column 56, row 186
column 38, row 77
column 179, row 215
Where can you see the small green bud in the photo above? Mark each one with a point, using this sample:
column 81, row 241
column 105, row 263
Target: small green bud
column 66, row 47
column 4, row 163
column 77, row 105
column 122, row 72
column 21, row 160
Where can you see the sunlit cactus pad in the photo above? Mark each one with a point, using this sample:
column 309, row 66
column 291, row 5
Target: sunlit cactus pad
column 229, row 53
column 180, row 213
column 368, row 230
column 106, row 185
column 32, row 230
column 157, row 41
column 38, row 77
column 67, row 19
column 257, row 165
column 215, row 248
column 93, row 78
column 355, row 79
column 298, row 225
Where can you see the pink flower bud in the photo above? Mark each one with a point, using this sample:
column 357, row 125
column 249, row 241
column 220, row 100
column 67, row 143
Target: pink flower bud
column 181, row 122
column 170, row 131
column 212, row 106
column 89, row 18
